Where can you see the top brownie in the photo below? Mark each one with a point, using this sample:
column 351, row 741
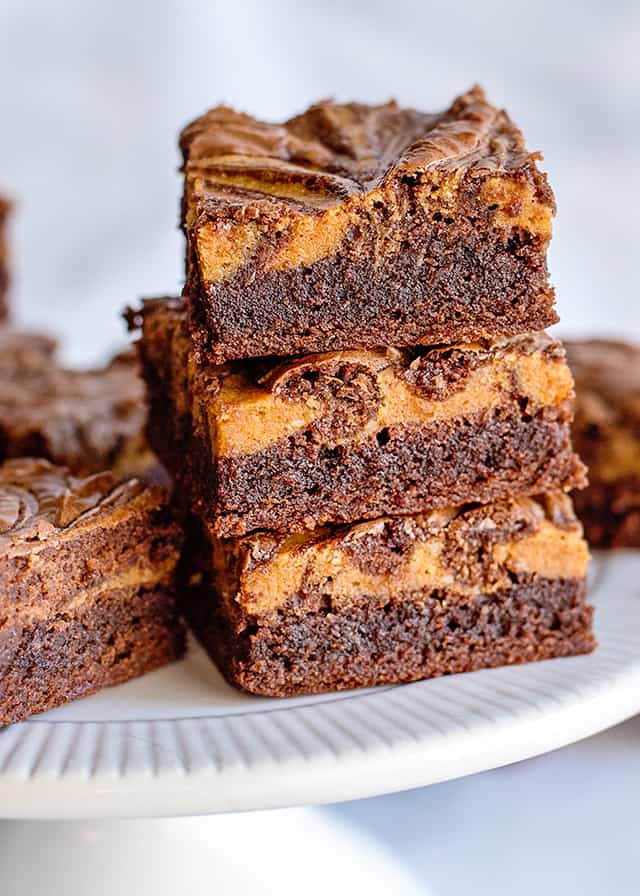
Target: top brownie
column 351, row 226
column 5, row 208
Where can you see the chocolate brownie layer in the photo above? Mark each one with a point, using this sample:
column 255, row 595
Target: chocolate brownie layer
column 395, row 599
column 87, row 584
column 607, row 434
column 88, row 420
column 354, row 226
column 66, row 656
column 5, row 208
column 350, row 435
column 420, row 636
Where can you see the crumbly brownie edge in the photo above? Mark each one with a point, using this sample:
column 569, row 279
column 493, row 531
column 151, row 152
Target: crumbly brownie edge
column 610, row 512
column 421, row 636
column 122, row 636
column 298, row 485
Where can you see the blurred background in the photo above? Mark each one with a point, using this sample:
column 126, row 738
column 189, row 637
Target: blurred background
column 93, row 96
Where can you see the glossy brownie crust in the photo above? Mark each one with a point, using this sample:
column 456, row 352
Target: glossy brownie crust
column 606, row 433
column 347, row 463
column 395, row 599
column 353, row 226
column 87, row 591
column 5, row 208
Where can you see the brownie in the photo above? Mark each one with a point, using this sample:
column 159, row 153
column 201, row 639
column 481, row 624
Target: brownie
column 87, row 596
column 5, row 208
column 352, row 226
column 87, row 420
column 393, row 600
column 296, row 443
column 607, row 435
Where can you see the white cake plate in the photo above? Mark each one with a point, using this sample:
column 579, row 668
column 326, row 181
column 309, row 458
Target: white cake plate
column 182, row 742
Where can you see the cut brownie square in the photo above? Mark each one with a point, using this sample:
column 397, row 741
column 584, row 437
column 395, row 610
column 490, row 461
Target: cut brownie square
column 5, row 208
column 354, row 226
column 338, row 437
column 87, row 594
column 607, row 435
column 393, row 600
column 87, row 420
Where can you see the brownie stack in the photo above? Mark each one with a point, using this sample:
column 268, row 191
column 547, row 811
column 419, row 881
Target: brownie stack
column 367, row 426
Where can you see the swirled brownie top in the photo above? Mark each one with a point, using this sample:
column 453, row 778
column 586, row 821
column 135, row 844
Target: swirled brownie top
column 40, row 501
column 333, row 151
column 350, row 222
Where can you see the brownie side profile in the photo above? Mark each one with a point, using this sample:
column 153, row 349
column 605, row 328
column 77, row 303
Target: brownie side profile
column 87, row 585
column 296, row 443
column 5, row 208
column 352, row 226
column 87, row 420
column 606, row 433
column 393, row 600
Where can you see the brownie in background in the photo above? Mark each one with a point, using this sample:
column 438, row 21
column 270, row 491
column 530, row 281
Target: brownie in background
column 606, row 434
column 87, row 420
column 5, row 208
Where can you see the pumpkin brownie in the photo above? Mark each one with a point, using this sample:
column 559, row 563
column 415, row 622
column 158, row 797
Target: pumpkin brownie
column 393, row 600
column 296, row 443
column 87, row 593
column 353, row 226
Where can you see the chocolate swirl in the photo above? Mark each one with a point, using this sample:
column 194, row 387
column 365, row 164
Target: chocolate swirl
column 38, row 500
column 333, row 151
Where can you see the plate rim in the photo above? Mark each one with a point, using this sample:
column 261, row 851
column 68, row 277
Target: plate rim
column 353, row 746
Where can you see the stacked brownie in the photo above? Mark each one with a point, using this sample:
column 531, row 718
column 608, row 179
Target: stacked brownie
column 368, row 428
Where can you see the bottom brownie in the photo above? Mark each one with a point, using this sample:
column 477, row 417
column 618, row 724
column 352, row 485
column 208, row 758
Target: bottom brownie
column 393, row 600
column 420, row 636
column 68, row 656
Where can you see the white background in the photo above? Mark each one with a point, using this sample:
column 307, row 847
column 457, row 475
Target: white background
column 93, row 94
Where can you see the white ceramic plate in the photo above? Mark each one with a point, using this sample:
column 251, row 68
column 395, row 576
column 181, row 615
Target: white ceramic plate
column 182, row 742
